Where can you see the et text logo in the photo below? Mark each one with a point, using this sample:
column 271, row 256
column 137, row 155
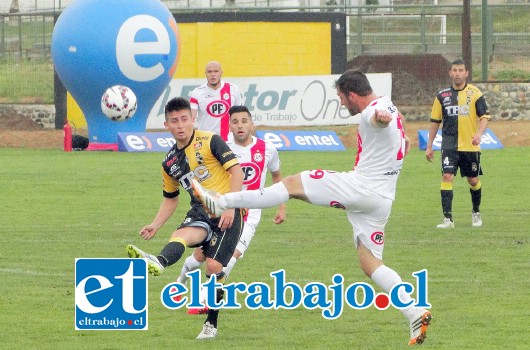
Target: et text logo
column 110, row 294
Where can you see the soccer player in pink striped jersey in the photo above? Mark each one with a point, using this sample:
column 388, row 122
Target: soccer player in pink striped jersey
column 365, row 193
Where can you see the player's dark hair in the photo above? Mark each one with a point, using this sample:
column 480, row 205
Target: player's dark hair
column 176, row 104
column 353, row 81
column 239, row 109
column 459, row 62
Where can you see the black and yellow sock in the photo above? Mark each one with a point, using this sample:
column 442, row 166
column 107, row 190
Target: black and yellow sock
column 476, row 196
column 172, row 252
column 446, row 192
column 213, row 314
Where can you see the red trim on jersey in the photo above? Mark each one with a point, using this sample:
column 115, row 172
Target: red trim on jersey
column 359, row 149
column 194, row 100
column 224, row 127
column 255, row 151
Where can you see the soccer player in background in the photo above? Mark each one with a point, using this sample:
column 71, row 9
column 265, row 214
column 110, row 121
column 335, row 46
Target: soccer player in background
column 211, row 101
column 463, row 111
column 205, row 157
column 366, row 193
column 256, row 157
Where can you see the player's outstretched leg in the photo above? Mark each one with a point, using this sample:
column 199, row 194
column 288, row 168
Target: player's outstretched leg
column 153, row 265
column 418, row 327
column 210, row 200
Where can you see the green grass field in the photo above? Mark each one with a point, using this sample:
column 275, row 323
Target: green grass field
column 57, row 206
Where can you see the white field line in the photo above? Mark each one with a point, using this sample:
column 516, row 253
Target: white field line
column 30, row 272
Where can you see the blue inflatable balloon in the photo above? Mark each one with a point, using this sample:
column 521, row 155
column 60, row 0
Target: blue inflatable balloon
column 100, row 43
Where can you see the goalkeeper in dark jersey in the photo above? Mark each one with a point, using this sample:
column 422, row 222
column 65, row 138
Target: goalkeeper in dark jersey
column 205, row 157
column 464, row 115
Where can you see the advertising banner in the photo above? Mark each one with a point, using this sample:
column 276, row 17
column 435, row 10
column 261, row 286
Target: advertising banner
column 281, row 139
column 145, row 141
column 302, row 140
column 280, row 101
column 489, row 140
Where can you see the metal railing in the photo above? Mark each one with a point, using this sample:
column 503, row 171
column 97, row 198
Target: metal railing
column 25, row 38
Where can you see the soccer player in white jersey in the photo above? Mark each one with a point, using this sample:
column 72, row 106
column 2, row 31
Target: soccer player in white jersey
column 211, row 101
column 366, row 193
column 256, row 158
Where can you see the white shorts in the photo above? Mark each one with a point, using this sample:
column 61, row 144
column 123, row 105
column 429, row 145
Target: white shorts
column 249, row 228
column 367, row 211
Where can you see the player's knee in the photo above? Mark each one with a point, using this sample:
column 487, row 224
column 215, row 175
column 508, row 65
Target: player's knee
column 447, row 177
column 213, row 267
column 238, row 253
column 367, row 260
column 293, row 184
column 473, row 181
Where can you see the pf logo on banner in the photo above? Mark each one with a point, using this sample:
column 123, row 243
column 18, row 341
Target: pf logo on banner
column 110, row 294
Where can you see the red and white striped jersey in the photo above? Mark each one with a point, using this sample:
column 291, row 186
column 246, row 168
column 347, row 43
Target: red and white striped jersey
column 255, row 160
column 212, row 107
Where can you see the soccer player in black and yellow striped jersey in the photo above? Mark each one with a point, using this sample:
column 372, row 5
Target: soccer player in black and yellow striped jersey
column 464, row 115
column 203, row 156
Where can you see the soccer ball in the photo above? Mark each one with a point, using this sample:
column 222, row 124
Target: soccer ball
column 118, row 103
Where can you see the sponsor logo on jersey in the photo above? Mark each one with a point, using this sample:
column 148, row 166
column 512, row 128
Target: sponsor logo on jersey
column 214, row 239
column 258, row 157
column 335, row 204
column 378, row 237
column 251, row 173
column 171, row 161
column 217, row 109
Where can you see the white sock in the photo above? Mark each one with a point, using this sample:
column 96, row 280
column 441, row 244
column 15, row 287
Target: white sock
column 190, row 264
column 230, row 266
column 256, row 199
column 386, row 278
